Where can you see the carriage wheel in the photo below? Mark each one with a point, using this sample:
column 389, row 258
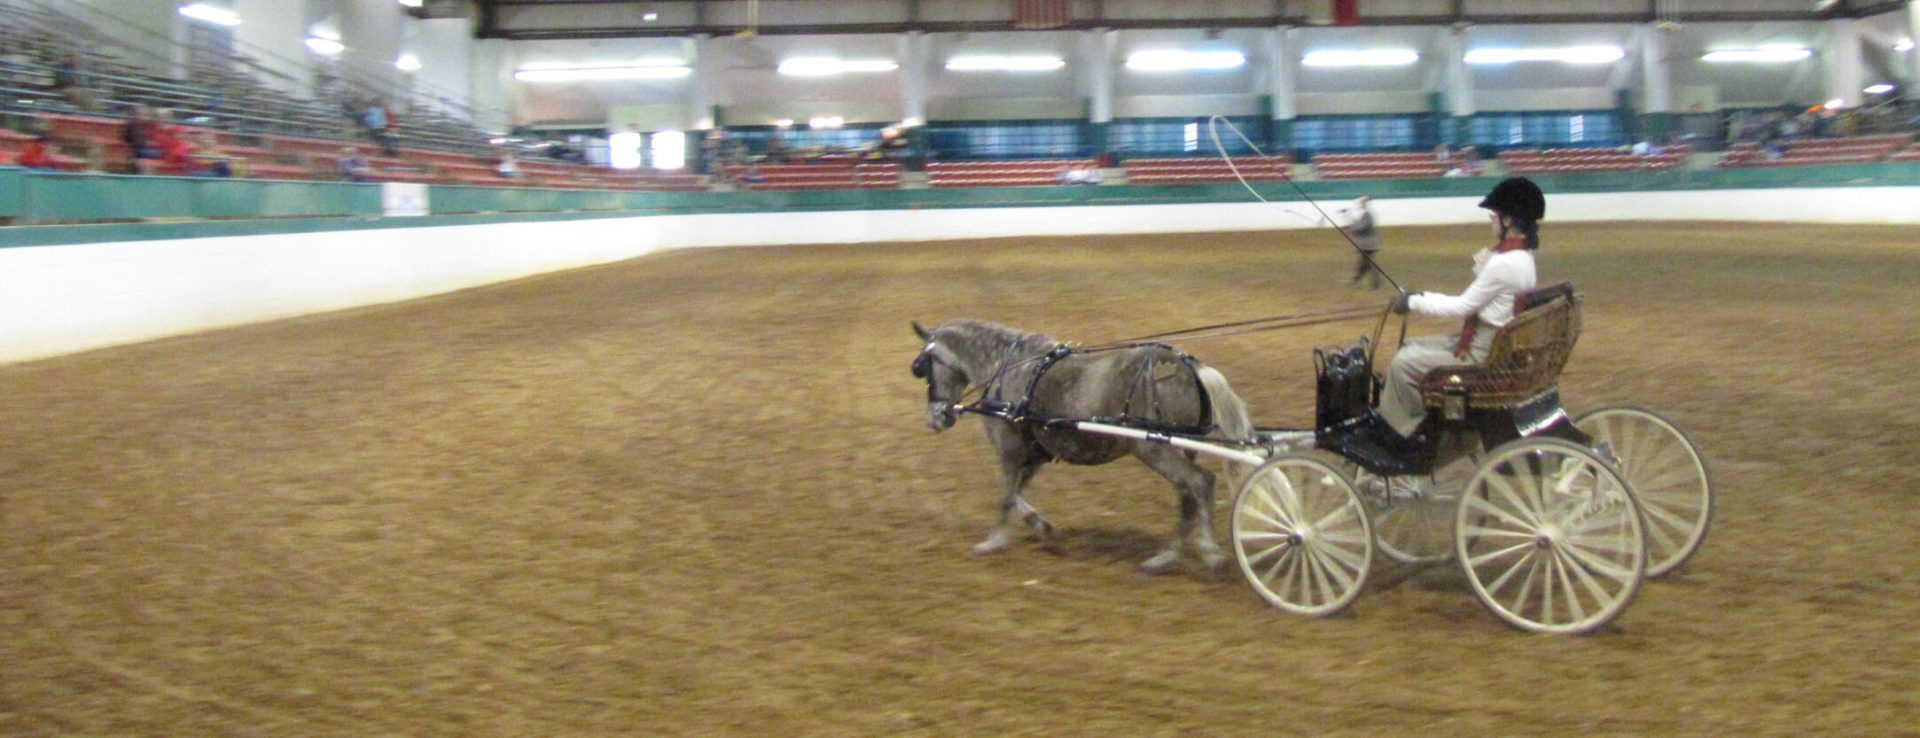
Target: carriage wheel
column 1412, row 520
column 1666, row 471
column 1551, row 537
column 1301, row 535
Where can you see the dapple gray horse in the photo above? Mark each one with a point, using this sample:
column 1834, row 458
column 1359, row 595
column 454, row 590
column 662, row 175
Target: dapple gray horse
column 1145, row 382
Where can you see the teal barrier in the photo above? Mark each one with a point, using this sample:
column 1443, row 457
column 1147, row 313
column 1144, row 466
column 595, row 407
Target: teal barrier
column 31, row 197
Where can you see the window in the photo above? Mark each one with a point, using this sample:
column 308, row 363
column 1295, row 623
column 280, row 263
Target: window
column 1345, row 133
column 669, row 150
column 1546, row 129
column 1184, row 136
column 624, row 149
column 1005, row 140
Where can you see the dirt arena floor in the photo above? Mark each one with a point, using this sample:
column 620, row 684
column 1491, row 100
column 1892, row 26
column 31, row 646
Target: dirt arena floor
column 693, row 494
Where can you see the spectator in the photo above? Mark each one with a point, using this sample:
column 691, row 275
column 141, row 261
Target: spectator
column 352, row 166
column 1357, row 221
column 1443, row 154
column 777, row 147
column 72, row 80
column 206, row 157
column 378, row 122
column 35, row 156
column 142, row 134
column 508, row 167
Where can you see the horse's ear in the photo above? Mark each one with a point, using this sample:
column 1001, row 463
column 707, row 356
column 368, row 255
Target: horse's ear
column 922, row 332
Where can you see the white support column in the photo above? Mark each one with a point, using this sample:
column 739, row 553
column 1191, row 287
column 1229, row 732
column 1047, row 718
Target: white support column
column 1282, row 76
column 1913, row 55
column 1657, row 76
column 1459, row 76
column 700, row 89
column 1844, row 62
column 912, row 48
column 1099, row 45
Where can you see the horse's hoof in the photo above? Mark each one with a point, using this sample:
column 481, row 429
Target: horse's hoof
column 1160, row 563
column 1215, row 561
column 988, row 547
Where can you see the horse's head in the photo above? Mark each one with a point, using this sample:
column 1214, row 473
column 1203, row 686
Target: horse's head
column 946, row 380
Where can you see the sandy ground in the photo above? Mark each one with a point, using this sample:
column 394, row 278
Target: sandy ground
column 693, row 495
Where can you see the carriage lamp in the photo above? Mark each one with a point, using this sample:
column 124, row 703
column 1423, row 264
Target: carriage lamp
column 1453, row 399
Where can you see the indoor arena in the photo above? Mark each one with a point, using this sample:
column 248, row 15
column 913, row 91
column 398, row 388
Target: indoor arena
column 575, row 400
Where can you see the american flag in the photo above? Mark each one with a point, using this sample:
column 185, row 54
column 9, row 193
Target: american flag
column 1346, row 12
column 1030, row 14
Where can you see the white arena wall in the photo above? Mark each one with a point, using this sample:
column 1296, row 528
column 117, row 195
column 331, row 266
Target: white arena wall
column 68, row 298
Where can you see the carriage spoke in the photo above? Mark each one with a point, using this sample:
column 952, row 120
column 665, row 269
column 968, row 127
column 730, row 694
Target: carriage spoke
column 1484, row 532
column 1546, row 588
column 1499, row 483
column 1262, row 517
column 1526, row 561
column 1268, row 551
column 1566, row 587
column 1343, row 557
column 1526, row 584
column 1502, row 513
column 1599, row 565
column 1599, row 593
column 1319, row 571
column 1275, row 504
column 1286, row 557
column 1491, row 555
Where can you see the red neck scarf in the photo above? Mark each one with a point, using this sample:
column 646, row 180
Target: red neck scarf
column 1464, row 346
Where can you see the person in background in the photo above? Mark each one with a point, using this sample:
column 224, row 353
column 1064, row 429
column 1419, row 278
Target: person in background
column 507, row 167
column 35, row 155
column 206, row 157
column 353, row 166
column 1358, row 224
column 141, row 134
column 72, row 80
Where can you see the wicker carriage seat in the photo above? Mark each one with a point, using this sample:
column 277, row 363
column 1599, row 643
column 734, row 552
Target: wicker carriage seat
column 1526, row 356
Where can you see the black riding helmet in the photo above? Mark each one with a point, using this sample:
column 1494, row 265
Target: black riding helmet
column 1517, row 198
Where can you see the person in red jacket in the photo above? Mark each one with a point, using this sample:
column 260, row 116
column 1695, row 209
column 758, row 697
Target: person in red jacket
column 35, row 156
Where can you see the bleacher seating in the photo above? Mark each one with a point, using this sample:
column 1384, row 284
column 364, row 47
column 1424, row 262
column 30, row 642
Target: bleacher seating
column 1204, row 170
column 839, row 175
column 1026, row 173
column 1911, row 153
column 1380, row 166
column 1564, row 161
column 1818, row 151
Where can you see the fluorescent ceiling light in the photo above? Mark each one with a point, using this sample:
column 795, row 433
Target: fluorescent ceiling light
column 210, row 14
column 783, row 123
column 650, row 17
column 407, row 63
column 1879, row 89
column 596, row 74
column 1567, row 55
column 824, row 121
column 1905, row 44
column 1836, row 104
column 817, row 66
column 1005, row 63
column 411, row 3
column 1762, row 54
column 325, row 46
column 1176, row 61
column 1364, row 58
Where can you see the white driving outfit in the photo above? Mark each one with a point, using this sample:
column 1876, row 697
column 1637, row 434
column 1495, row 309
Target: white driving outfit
column 1499, row 275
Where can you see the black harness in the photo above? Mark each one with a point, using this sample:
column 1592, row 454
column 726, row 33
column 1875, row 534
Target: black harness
column 1152, row 419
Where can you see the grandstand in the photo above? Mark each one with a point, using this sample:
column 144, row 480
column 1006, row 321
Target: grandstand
column 719, row 107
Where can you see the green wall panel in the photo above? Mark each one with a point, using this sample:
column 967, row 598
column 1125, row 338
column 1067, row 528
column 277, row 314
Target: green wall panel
column 236, row 207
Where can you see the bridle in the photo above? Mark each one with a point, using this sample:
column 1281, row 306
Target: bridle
column 923, row 368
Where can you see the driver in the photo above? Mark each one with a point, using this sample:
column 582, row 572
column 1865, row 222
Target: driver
column 1499, row 274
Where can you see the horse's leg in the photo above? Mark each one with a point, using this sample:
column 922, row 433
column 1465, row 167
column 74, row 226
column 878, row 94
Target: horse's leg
column 1196, row 506
column 1031, row 516
column 1018, row 463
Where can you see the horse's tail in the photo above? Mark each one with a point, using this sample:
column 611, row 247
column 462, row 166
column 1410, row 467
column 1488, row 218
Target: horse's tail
column 1228, row 411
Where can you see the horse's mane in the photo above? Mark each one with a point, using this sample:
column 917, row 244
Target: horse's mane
column 991, row 343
